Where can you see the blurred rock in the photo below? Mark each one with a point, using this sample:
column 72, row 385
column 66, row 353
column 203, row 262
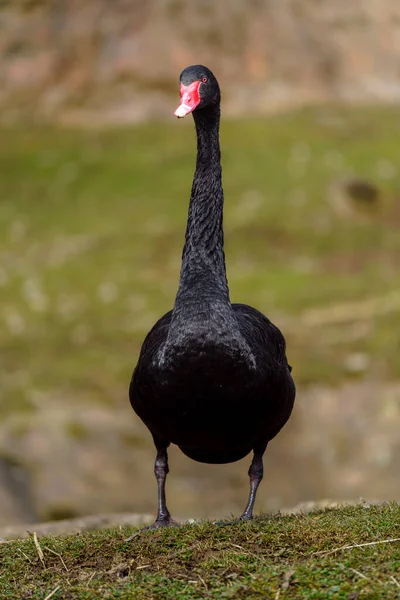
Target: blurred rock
column 96, row 61
column 16, row 502
column 82, row 459
column 357, row 363
column 70, row 526
column 353, row 195
column 311, row 506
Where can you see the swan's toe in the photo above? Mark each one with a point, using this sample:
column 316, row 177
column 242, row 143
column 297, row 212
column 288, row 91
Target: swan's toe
column 158, row 523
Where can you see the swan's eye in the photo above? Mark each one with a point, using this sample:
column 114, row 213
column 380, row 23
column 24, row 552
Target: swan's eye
column 204, row 79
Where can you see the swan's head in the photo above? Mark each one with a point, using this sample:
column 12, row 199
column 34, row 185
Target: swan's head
column 199, row 89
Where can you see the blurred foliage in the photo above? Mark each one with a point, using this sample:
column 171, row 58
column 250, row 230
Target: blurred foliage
column 92, row 226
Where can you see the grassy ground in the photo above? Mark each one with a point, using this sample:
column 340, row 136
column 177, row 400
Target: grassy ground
column 92, row 225
column 346, row 554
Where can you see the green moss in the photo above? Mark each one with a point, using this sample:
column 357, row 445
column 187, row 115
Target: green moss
column 293, row 557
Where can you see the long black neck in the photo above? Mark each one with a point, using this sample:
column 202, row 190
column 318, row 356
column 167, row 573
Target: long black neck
column 203, row 275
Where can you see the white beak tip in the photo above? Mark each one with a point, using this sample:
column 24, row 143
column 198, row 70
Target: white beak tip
column 182, row 111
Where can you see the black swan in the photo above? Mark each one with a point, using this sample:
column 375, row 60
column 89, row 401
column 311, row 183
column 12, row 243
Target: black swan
column 212, row 376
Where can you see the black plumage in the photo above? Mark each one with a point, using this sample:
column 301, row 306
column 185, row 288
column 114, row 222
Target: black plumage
column 212, row 376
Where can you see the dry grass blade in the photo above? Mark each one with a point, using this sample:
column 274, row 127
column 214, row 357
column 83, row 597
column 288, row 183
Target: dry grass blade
column 237, row 546
column 244, row 551
column 38, row 548
column 25, row 555
column 59, row 556
column 327, row 552
column 90, row 578
column 203, row 582
column 394, row 580
column 359, row 574
column 53, row 592
column 286, row 579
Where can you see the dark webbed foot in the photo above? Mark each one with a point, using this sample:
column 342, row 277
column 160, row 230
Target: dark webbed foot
column 226, row 523
column 245, row 517
column 158, row 524
column 170, row 522
column 233, row 521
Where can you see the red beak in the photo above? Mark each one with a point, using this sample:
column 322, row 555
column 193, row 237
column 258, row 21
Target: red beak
column 190, row 98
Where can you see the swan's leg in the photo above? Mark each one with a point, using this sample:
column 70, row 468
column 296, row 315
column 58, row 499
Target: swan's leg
column 256, row 472
column 161, row 470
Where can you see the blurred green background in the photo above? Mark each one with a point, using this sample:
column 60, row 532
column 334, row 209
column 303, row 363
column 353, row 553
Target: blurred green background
column 92, row 224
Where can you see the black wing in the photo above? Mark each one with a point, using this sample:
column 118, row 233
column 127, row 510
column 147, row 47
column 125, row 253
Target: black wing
column 261, row 332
